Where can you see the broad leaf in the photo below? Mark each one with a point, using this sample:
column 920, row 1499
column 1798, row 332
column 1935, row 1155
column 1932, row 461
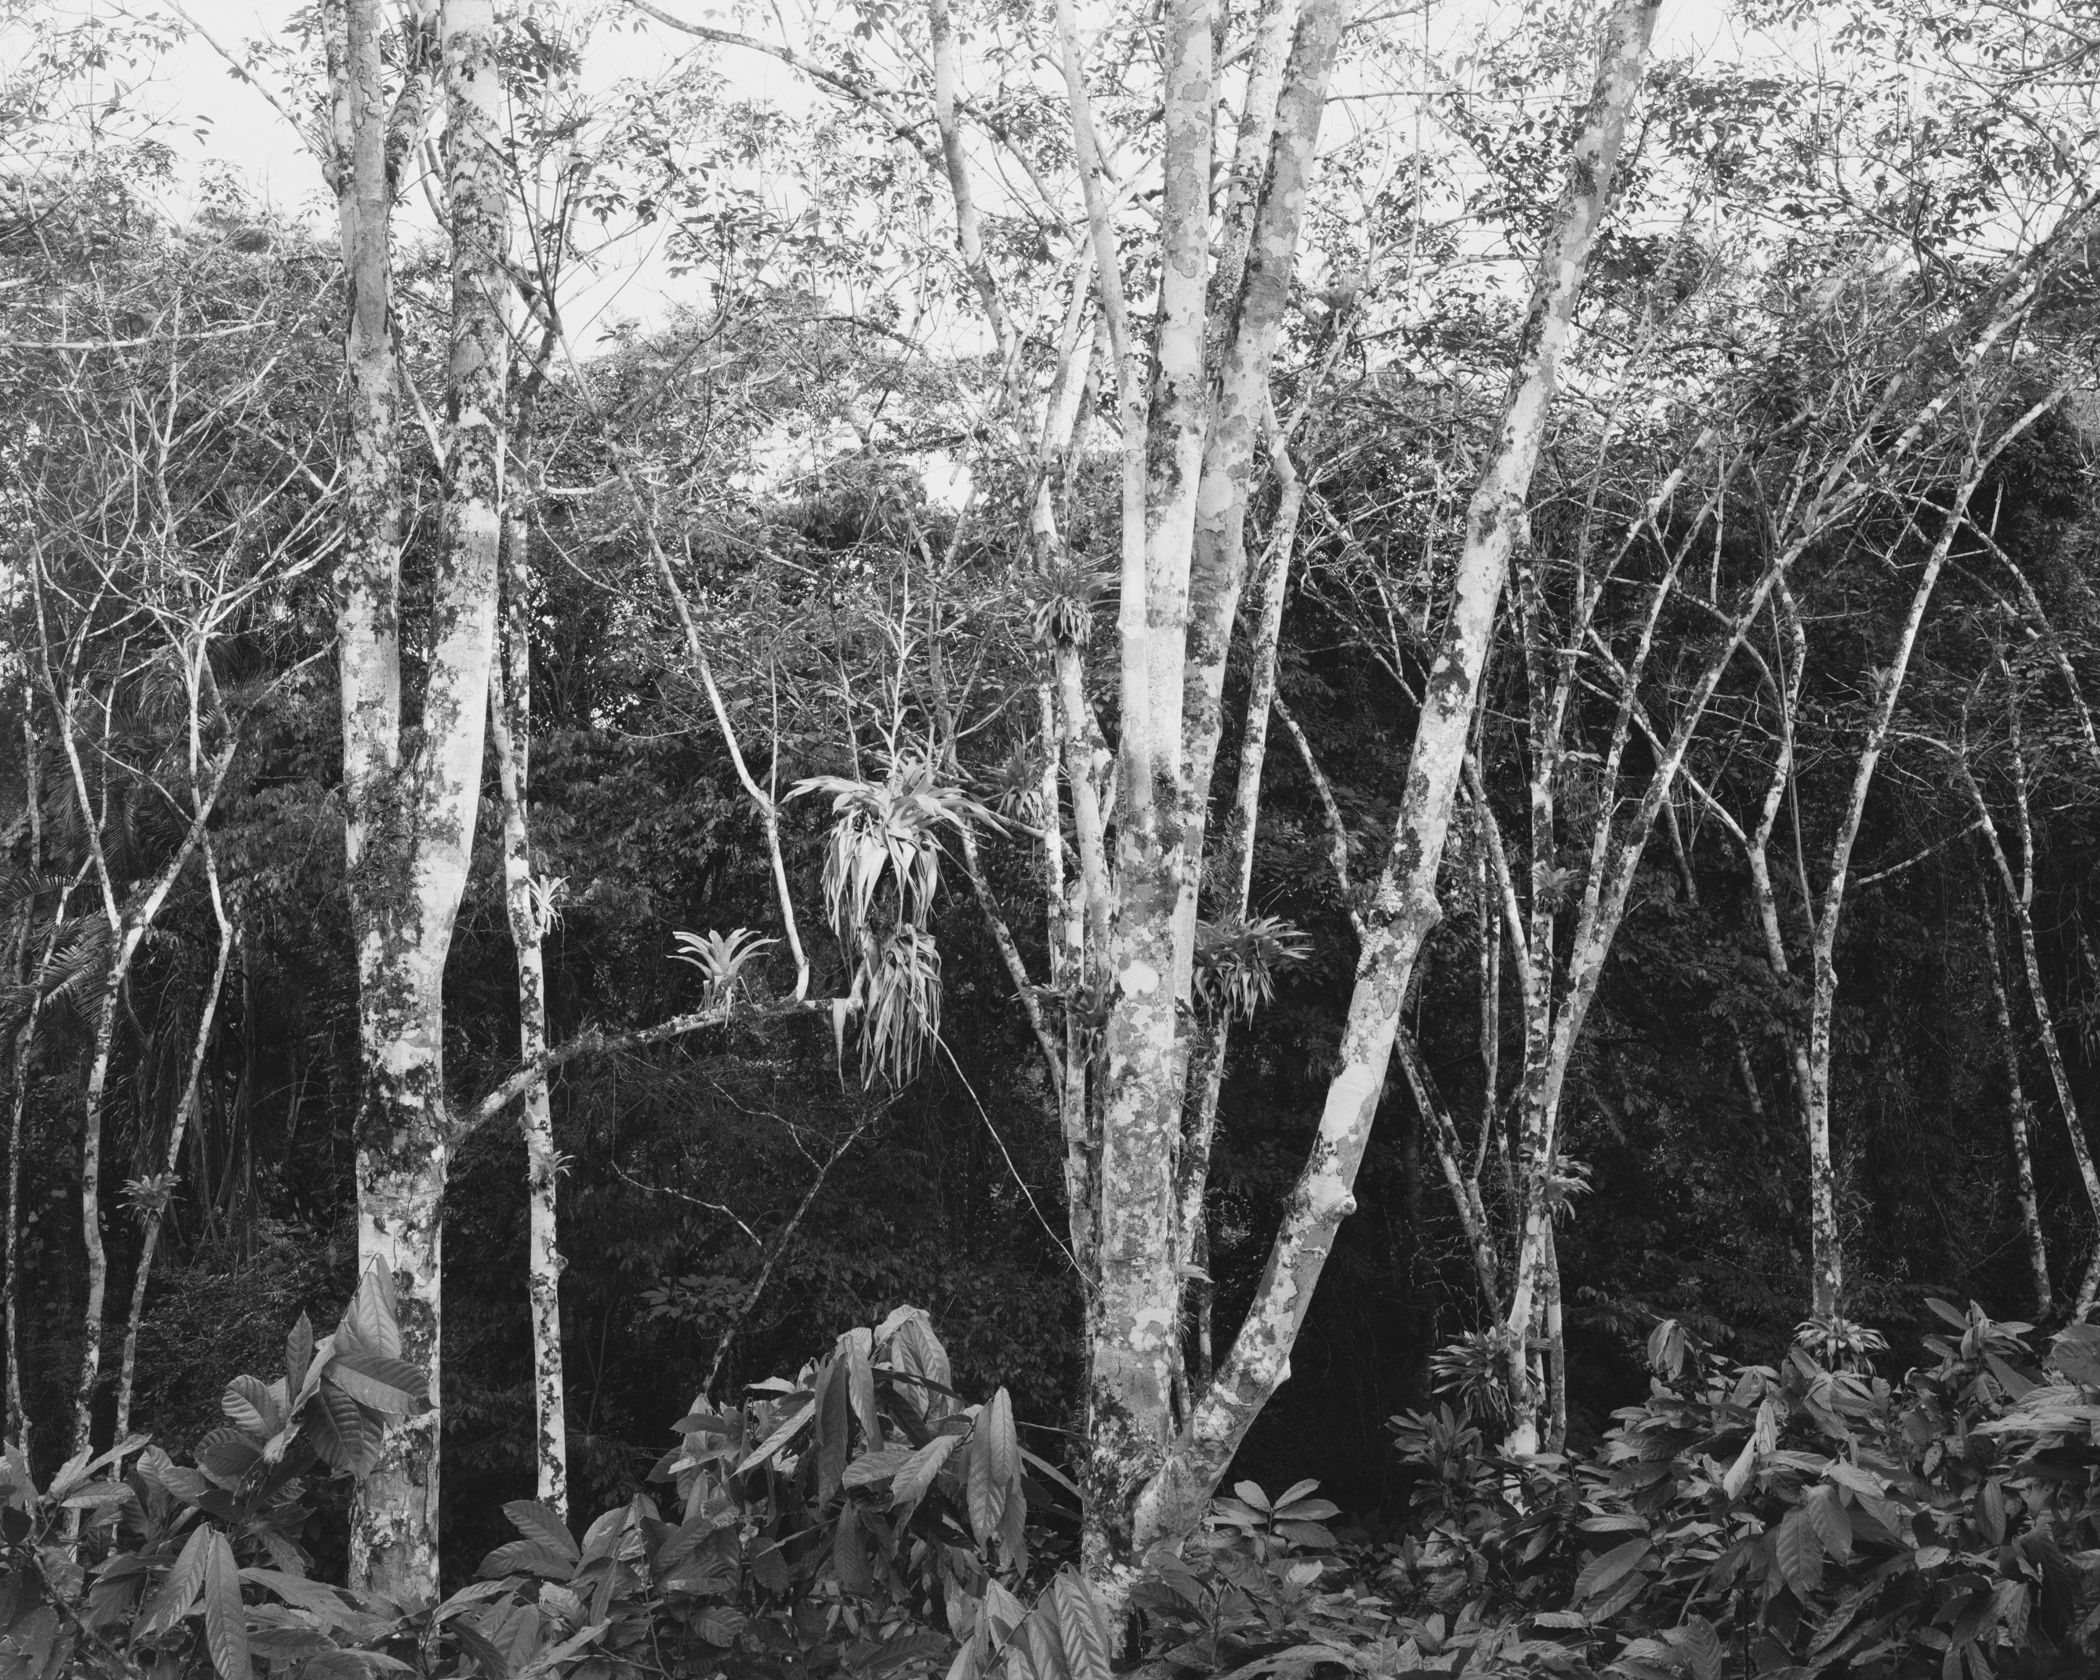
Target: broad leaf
column 919, row 1470
column 386, row 1385
column 1604, row 1572
column 537, row 1522
column 225, row 1622
column 342, row 1432
column 179, row 1591
column 1084, row 1627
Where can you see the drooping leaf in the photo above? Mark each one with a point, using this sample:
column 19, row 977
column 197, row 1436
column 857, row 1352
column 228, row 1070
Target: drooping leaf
column 1799, row 1551
column 343, row 1434
column 371, row 1323
column 854, row 1350
column 539, row 1522
column 246, row 1404
column 228, row 1456
column 1606, row 1570
column 1084, row 1626
column 225, row 1623
column 995, row 1427
column 834, row 1423
column 528, row 1557
column 1832, row 1523
column 719, row 1625
column 316, row 1598
column 179, row 1591
column 773, row 1443
column 393, row 1386
column 872, row 1469
column 986, row 1494
column 849, row 1552
column 919, row 1470
column 299, row 1353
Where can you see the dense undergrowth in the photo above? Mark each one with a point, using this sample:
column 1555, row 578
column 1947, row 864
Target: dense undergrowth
column 863, row 1519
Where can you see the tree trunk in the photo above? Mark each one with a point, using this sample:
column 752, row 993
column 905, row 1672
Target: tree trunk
column 24, row 1048
column 2017, row 1113
column 185, row 1112
column 510, row 732
column 409, row 815
column 1404, row 905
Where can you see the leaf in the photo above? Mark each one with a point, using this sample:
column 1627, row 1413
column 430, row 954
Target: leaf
column 478, row 1645
column 853, row 1349
column 873, row 1468
column 986, row 1496
column 1739, row 1473
column 2016, row 1383
column 2076, row 1353
column 1601, row 1573
column 537, row 1522
column 342, row 1433
column 1085, row 1628
column 97, row 1494
column 317, row 1598
column 227, row 1456
column 1832, row 1524
column 352, row 1665
column 299, row 1353
column 779, row 1438
column 719, row 1626
column 386, row 1385
column 179, row 1591
column 244, row 1408
column 834, row 1417
column 995, row 1427
column 1799, row 1550
column 849, row 1553
column 529, row 1557
column 225, row 1623
column 1701, row 1646
column 919, row 1470
column 1250, row 1493
column 370, row 1323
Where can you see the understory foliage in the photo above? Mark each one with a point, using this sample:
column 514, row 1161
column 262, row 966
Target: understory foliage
column 861, row 1519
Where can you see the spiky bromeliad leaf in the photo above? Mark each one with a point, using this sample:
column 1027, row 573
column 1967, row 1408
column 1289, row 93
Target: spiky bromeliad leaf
column 888, row 832
column 720, row 957
column 900, row 1004
column 1236, row 962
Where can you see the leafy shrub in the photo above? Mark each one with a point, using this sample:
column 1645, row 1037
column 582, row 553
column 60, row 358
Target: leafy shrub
column 856, row 1517
column 1784, row 1521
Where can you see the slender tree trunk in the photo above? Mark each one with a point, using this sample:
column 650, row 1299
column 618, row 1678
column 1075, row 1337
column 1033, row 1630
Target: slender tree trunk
column 185, row 1112
column 510, row 733
column 1826, row 1249
column 18, row 1107
column 2017, row 1114
column 2019, row 895
column 1236, row 870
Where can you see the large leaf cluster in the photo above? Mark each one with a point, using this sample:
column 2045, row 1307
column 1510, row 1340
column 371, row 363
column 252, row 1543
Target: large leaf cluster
column 1786, row 1520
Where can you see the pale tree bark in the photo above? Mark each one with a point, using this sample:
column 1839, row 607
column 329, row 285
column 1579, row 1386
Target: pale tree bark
column 185, row 1113
column 128, row 925
column 1826, row 1253
column 2018, row 887
column 1236, row 870
column 527, row 908
column 410, row 805
column 1403, row 906
column 2018, row 1116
